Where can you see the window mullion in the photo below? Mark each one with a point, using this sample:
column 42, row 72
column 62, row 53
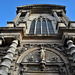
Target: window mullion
column 41, row 25
column 35, row 26
column 53, row 27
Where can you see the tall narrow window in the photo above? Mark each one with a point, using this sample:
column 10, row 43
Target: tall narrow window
column 41, row 26
column 38, row 27
column 32, row 27
column 51, row 31
column 44, row 27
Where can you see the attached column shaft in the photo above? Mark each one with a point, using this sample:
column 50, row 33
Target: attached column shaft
column 56, row 16
column 65, row 16
column 26, row 16
column 71, row 47
column 6, row 64
column 15, row 20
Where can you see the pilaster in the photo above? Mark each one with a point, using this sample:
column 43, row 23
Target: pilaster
column 65, row 16
column 15, row 20
column 26, row 16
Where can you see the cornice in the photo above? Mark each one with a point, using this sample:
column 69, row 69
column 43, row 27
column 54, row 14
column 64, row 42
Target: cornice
column 40, row 5
column 43, row 6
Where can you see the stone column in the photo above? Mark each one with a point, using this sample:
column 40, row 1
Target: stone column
column 56, row 17
column 65, row 16
column 71, row 47
column 26, row 16
column 15, row 20
column 8, row 58
column 1, row 42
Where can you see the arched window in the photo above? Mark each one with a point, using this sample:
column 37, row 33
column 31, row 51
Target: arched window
column 38, row 27
column 41, row 26
column 32, row 27
column 44, row 27
column 50, row 27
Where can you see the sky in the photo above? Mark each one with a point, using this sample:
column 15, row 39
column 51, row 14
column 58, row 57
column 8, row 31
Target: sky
column 8, row 8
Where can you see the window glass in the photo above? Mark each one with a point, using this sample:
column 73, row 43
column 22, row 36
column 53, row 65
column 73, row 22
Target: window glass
column 44, row 27
column 32, row 28
column 38, row 27
column 51, row 31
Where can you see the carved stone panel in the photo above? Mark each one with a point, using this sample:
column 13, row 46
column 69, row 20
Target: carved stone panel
column 52, row 57
column 35, row 57
column 32, row 57
column 53, row 63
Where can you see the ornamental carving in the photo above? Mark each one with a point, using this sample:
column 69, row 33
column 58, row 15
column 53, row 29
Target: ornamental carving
column 37, row 56
column 58, row 47
column 33, row 57
column 42, row 59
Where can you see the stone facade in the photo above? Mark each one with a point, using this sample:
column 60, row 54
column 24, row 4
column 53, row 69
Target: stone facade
column 39, row 41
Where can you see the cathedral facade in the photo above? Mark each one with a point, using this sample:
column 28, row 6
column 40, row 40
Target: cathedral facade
column 39, row 41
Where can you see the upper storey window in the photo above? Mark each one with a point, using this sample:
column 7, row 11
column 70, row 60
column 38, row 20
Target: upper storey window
column 38, row 27
column 41, row 26
column 32, row 28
